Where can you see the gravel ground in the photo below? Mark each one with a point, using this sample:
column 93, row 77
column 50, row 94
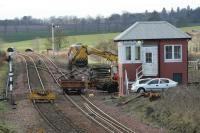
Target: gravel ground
column 24, row 117
column 118, row 114
column 131, row 122
column 77, row 119
column 85, row 125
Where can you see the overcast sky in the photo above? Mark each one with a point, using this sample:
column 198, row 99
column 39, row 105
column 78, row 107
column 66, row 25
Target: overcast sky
column 83, row 8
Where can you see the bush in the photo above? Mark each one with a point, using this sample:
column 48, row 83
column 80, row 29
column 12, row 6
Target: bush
column 107, row 45
column 193, row 56
column 178, row 110
column 2, row 56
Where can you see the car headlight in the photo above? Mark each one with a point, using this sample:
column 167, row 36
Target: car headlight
column 133, row 87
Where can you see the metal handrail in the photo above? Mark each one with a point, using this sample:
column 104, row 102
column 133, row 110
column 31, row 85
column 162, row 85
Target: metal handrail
column 138, row 72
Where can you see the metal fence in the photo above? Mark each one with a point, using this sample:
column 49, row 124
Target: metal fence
column 194, row 64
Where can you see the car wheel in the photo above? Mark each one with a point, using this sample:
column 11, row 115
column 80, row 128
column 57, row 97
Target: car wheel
column 140, row 90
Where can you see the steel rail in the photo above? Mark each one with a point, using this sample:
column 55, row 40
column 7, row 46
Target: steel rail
column 30, row 89
column 54, row 65
column 48, row 69
column 124, row 127
column 102, row 118
column 35, row 69
column 115, row 123
column 27, row 72
column 112, row 120
column 85, row 113
column 77, row 106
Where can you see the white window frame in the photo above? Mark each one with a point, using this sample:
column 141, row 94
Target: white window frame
column 137, row 60
column 124, row 45
column 173, row 59
column 150, row 56
column 125, row 53
column 120, row 52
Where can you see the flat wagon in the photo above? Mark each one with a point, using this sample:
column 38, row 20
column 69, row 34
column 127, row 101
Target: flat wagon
column 73, row 86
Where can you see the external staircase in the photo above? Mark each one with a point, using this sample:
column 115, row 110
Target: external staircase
column 139, row 72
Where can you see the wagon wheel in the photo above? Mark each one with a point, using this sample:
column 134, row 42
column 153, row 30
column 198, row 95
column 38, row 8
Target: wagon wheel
column 52, row 101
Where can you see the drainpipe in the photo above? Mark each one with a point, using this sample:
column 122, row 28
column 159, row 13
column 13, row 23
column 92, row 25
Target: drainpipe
column 126, row 82
column 187, row 67
column 159, row 58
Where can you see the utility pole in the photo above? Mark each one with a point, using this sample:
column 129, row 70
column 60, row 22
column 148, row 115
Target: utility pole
column 53, row 26
column 52, row 29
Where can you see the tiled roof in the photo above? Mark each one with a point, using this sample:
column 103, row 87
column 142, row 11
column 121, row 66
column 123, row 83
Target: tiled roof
column 151, row 30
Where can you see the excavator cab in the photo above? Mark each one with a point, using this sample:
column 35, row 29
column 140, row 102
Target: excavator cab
column 102, row 76
column 114, row 72
column 78, row 55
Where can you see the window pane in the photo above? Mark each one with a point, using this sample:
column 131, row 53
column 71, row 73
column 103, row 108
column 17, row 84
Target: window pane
column 137, row 53
column 154, row 81
column 177, row 52
column 143, row 81
column 178, row 77
column 148, row 57
column 164, row 81
column 128, row 53
column 168, row 52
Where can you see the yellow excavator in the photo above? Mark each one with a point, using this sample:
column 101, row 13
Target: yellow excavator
column 78, row 55
column 102, row 76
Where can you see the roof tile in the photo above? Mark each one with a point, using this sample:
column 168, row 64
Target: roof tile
column 151, row 30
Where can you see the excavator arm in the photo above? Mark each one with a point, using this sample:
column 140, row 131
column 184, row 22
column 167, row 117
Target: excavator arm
column 78, row 54
column 102, row 76
column 105, row 54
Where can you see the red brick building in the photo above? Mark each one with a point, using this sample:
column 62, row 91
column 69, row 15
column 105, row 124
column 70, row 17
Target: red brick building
column 152, row 49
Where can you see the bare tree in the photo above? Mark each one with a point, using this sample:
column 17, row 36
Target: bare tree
column 5, row 24
column 16, row 24
column 60, row 39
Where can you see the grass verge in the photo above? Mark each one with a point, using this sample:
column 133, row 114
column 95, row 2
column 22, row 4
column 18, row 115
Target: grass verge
column 177, row 111
column 3, row 75
column 39, row 43
column 5, row 127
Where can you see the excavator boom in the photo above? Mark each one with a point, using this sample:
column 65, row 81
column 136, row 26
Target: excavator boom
column 105, row 54
column 101, row 76
column 78, row 55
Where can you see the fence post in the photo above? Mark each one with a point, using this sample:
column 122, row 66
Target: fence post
column 197, row 64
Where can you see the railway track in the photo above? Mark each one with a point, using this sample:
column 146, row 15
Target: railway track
column 85, row 105
column 52, row 116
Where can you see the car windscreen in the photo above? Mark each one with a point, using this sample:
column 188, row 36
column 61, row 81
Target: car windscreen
column 143, row 81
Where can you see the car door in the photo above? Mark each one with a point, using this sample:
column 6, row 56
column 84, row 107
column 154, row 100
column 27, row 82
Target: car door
column 164, row 83
column 153, row 85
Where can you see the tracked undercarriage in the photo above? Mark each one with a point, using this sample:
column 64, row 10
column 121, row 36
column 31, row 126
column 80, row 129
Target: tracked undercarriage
column 95, row 76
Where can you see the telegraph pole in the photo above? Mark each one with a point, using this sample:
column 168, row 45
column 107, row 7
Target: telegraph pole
column 53, row 26
column 52, row 29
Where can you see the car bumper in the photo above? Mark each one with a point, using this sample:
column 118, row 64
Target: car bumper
column 134, row 89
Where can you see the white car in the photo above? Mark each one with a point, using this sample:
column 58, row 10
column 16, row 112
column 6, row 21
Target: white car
column 153, row 84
